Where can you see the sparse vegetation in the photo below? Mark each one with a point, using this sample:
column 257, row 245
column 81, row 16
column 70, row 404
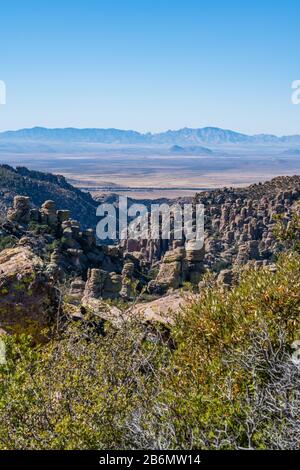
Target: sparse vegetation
column 230, row 382
column 38, row 229
column 7, row 242
column 222, row 374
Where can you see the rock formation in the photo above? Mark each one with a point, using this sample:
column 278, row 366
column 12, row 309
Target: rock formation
column 50, row 248
column 20, row 212
column 28, row 298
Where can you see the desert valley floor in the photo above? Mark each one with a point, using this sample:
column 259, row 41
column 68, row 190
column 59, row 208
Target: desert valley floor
column 153, row 173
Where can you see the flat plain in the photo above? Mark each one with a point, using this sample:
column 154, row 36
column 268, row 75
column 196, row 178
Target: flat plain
column 152, row 172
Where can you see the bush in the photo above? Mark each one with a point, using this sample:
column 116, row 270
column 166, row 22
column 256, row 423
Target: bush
column 225, row 378
column 76, row 392
column 7, row 241
column 40, row 229
column 213, row 393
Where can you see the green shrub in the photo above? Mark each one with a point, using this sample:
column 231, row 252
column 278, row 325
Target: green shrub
column 7, row 242
column 211, row 392
column 40, row 229
column 224, row 379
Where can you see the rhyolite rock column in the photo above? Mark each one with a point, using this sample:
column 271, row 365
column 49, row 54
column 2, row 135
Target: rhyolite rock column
column 20, row 212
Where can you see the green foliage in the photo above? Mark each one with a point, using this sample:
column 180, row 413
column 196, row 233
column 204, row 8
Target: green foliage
column 219, row 265
column 7, row 242
column 209, row 391
column 40, row 229
column 187, row 286
column 288, row 232
column 217, row 380
column 78, row 391
column 53, row 246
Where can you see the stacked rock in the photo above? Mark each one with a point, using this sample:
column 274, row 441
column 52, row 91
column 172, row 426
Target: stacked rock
column 179, row 265
column 62, row 216
column 103, row 285
column 20, row 212
column 54, row 268
column 127, row 291
column 194, row 266
column 94, row 284
column 48, row 213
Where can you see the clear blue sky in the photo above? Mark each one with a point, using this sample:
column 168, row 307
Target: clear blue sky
column 150, row 64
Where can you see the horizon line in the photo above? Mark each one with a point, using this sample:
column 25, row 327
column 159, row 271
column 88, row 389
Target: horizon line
column 149, row 132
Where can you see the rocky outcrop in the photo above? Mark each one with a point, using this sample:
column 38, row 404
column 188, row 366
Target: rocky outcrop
column 77, row 249
column 159, row 311
column 239, row 228
column 103, row 285
column 51, row 247
column 182, row 264
column 239, row 223
column 28, row 298
column 163, row 310
column 20, row 212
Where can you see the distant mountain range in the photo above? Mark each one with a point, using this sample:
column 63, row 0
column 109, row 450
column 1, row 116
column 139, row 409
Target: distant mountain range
column 291, row 152
column 186, row 136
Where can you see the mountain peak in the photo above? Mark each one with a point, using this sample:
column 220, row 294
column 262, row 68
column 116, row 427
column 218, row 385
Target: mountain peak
column 185, row 136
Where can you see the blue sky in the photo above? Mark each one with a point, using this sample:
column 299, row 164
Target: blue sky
column 150, row 65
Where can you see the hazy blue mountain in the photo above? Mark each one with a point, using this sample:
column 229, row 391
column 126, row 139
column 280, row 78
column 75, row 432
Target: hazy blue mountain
column 70, row 134
column 190, row 150
column 185, row 136
column 206, row 135
column 291, row 152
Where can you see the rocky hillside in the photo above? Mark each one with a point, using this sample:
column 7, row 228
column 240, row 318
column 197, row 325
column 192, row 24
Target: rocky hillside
column 43, row 186
column 51, row 267
column 240, row 225
column 44, row 248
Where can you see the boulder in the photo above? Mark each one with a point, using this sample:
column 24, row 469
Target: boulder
column 20, row 212
column 170, row 274
column 28, row 299
column 101, row 284
column 163, row 310
column 225, row 277
column 48, row 213
column 174, row 255
column 63, row 215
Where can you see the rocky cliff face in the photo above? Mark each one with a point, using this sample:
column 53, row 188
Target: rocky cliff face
column 49, row 255
column 239, row 228
column 239, row 223
column 48, row 250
